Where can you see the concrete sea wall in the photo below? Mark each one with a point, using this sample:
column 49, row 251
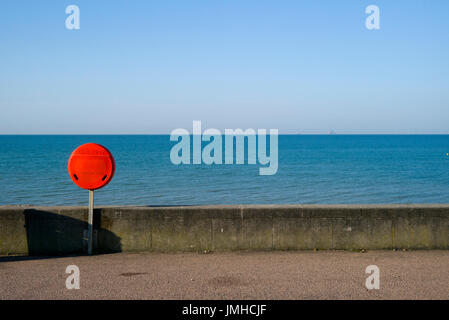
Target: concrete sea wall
column 61, row 230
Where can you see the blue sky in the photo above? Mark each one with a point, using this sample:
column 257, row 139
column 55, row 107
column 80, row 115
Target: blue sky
column 153, row 66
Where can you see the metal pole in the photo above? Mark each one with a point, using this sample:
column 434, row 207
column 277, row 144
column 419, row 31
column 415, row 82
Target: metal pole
column 90, row 222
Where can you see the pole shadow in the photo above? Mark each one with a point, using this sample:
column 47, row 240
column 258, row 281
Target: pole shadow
column 52, row 235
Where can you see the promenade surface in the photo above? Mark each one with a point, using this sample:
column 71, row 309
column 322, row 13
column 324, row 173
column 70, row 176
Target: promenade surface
column 236, row 275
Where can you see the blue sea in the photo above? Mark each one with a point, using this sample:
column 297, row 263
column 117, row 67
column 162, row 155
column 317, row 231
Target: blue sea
column 324, row 169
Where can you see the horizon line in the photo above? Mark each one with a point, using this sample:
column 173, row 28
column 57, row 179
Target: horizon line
column 283, row 134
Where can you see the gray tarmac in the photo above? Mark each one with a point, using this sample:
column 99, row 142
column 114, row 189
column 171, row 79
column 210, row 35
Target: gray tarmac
column 233, row 275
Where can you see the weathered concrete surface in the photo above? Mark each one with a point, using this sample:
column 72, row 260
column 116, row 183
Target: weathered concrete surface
column 230, row 275
column 59, row 230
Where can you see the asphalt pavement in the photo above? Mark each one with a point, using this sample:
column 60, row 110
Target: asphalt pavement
column 232, row 275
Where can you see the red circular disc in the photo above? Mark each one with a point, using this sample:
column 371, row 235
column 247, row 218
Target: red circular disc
column 91, row 166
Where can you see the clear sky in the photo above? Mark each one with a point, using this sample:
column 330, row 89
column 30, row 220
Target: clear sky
column 153, row 66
